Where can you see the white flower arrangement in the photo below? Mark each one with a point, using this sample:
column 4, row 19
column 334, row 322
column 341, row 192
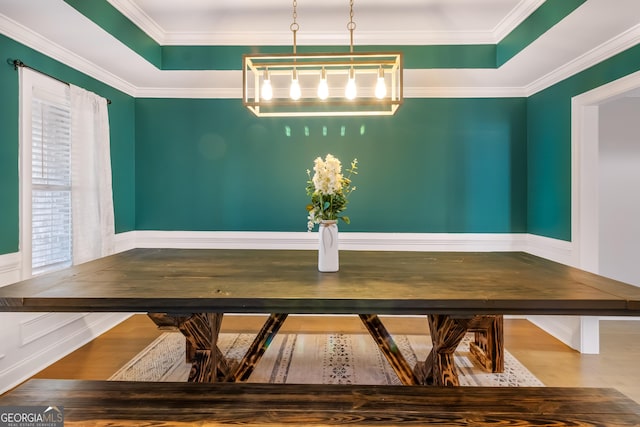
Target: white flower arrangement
column 329, row 189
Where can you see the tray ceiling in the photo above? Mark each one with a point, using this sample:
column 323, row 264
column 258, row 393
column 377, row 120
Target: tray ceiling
column 594, row 31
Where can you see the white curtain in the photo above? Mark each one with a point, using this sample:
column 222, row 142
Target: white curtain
column 92, row 196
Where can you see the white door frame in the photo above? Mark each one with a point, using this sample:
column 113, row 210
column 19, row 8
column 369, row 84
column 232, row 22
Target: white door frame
column 585, row 184
column 584, row 167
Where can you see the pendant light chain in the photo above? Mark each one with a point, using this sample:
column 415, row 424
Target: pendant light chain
column 294, row 90
column 294, row 27
column 351, row 90
column 351, row 26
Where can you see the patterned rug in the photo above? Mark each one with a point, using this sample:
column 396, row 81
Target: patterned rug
column 318, row 358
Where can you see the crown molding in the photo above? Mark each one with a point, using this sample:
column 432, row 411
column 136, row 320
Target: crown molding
column 515, row 18
column 189, row 92
column 35, row 41
column 148, row 25
column 143, row 21
column 464, row 92
column 409, row 92
column 616, row 45
column 284, row 38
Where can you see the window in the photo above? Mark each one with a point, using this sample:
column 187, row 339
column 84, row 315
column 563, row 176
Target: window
column 50, row 185
column 66, row 204
column 46, row 231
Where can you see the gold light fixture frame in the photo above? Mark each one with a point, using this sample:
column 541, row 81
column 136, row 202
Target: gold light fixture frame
column 308, row 68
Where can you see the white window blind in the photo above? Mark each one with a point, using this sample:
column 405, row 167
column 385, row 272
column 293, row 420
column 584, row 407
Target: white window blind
column 51, row 230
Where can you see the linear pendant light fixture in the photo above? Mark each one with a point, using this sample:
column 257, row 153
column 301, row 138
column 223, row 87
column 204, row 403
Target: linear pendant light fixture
column 322, row 84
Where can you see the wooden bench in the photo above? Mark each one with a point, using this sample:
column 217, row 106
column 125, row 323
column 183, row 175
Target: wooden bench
column 102, row 403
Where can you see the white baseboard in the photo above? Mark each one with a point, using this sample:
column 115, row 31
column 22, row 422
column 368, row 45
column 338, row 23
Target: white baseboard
column 556, row 250
column 32, row 341
column 10, row 268
column 564, row 328
column 20, row 359
column 348, row 241
column 125, row 241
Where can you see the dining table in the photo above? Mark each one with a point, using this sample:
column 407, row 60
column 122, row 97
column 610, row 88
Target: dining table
column 190, row 290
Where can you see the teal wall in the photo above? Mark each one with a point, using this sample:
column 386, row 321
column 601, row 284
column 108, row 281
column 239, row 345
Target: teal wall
column 122, row 125
column 549, row 144
column 438, row 165
column 8, row 155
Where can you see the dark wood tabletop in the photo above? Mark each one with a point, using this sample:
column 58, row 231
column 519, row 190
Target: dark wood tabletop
column 287, row 281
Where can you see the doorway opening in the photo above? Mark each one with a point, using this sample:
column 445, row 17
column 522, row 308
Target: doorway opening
column 587, row 179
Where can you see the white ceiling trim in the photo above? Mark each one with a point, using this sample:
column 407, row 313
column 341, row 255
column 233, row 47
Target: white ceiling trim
column 285, row 38
column 282, row 38
column 35, row 41
column 515, row 18
column 606, row 50
column 140, row 19
column 464, row 92
column 409, row 92
column 192, row 93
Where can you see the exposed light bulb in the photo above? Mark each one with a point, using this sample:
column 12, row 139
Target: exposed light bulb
column 267, row 89
column 323, row 86
column 295, row 92
column 323, row 89
column 350, row 91
column 381, row 87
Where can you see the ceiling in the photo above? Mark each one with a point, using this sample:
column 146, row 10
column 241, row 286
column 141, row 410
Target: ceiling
column 377, row 21
column 594, row 31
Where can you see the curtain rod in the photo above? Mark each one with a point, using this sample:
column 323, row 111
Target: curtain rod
column 17, row 63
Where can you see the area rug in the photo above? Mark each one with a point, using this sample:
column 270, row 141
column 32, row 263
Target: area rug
column 318, row 358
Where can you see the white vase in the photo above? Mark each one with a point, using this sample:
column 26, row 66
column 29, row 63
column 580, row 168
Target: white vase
column 328, row 250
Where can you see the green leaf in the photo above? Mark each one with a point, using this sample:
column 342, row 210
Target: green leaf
column 346, row 219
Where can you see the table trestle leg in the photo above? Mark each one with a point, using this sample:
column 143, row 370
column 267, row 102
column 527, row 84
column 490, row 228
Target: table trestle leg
column 257, row 348
column 389, row 349
column 439, row 368
column 201, row 331
column 488, row 344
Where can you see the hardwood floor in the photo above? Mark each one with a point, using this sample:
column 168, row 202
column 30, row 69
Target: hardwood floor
column 551, row 361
